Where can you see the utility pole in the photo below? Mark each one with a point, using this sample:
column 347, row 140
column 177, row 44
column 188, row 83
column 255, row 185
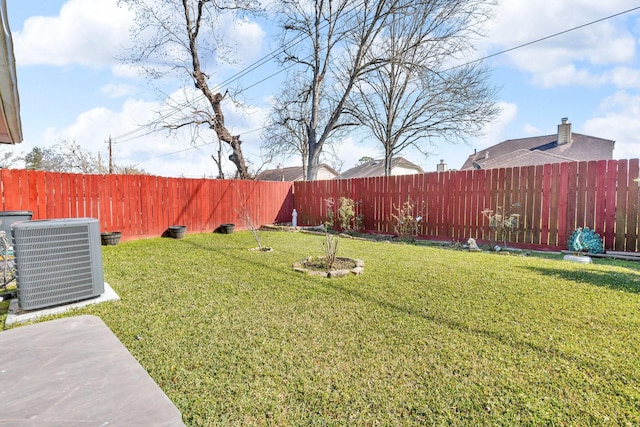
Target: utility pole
column 110, row 155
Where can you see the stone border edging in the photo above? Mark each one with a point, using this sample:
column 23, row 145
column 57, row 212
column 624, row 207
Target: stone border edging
column 357, row 270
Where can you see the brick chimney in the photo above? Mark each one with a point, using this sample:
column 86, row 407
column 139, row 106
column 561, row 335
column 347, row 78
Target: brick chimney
column 564, row 132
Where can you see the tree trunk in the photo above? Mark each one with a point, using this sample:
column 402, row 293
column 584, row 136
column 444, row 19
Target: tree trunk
column 388, row 159
column 233, row 140
column 200, row 80
column 218, row 160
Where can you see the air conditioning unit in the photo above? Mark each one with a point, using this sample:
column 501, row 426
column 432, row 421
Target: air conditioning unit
column 57, row 261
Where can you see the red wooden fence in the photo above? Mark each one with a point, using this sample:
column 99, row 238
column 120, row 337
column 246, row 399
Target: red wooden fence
column 142, row 205
column 554, row 200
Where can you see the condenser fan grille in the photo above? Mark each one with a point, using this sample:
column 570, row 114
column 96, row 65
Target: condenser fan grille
column 57, row 261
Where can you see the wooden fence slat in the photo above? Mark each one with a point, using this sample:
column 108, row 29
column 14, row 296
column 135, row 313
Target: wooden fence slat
column 486, row 201
column 590, row 195
column 105, row 200
column 546, row 203
column 50, row 194
column 432, row 203
column 621, row 205
column 537, row 203
column 554, row 189
column 563, row 205
column 11, row 190
column 572, row 185
column 470, row 205
column 632, row 207
column 454, row 212
column 600, row 197
column 581, row 195
column 529, row 222
column 500, row 190
column 610, row 209
column 462, row 232
column 66, row 198
column 23, row 192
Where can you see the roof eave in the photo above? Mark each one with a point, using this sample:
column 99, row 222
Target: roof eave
column 10, row 123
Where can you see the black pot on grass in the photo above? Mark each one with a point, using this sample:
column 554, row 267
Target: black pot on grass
column 110, row 238
column 227, row 228
column 177, row 231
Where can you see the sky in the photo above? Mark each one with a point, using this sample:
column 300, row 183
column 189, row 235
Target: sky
column 73, row 86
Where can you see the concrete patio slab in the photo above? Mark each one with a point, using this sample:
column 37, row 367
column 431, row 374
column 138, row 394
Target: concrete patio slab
column 74, row 371
column 16, row 315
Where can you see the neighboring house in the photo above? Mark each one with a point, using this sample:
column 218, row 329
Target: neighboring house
column 399, row 166
column 564, row 146
column 10, row 125
column 294, row 173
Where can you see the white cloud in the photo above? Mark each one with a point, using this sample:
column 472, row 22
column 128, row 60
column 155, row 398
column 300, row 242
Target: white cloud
column 566, row 59
column 624, row 77
column 531, row 130
column 158, row 153
column 113, row 90
column 93, row 127
column 350, row 151
column 128, row 71
column 494, row 132
column 94, row 33
column 246, row 38
column 86, row 32
column 619, row 122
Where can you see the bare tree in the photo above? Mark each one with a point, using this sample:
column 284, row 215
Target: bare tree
column 68, row 156
column 44, row 159
column 130, row 169
column 77, row 159
column 11, row 159
column 419, row 94
column 337, row 43
column 181, row 37
column 286, row 133
column 217, row 159
column 328, row 40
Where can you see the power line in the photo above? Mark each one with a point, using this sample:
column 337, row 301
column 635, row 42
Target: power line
column 262, row 61
column 546, row 38
column 183, row 150
column 253, row 66
column 203, row 145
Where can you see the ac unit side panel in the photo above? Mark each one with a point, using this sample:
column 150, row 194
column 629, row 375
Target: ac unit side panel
column 57, row 261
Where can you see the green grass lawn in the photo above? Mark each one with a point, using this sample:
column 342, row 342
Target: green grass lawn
column 427, row 336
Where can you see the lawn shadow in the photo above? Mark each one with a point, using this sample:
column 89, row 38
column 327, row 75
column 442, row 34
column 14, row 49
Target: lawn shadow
column 200, row 246
column 517, row 342
column 258, row 259
column 627, row 282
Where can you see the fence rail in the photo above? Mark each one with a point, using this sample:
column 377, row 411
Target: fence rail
column 142, row 205
column 553, row 201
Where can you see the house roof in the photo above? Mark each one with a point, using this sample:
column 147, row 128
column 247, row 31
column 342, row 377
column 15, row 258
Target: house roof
column 540, row 150
column 376, row 168
column 10, row 125
column 291, row 173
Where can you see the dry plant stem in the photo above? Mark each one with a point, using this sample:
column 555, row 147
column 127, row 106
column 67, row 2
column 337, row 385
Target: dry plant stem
column 406, row 225
column 330, row 245
column 244, row 212
column 254, row 231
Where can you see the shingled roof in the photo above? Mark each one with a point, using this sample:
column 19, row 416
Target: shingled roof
column 401, row 166
column 541, row 150
column 294, row 173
